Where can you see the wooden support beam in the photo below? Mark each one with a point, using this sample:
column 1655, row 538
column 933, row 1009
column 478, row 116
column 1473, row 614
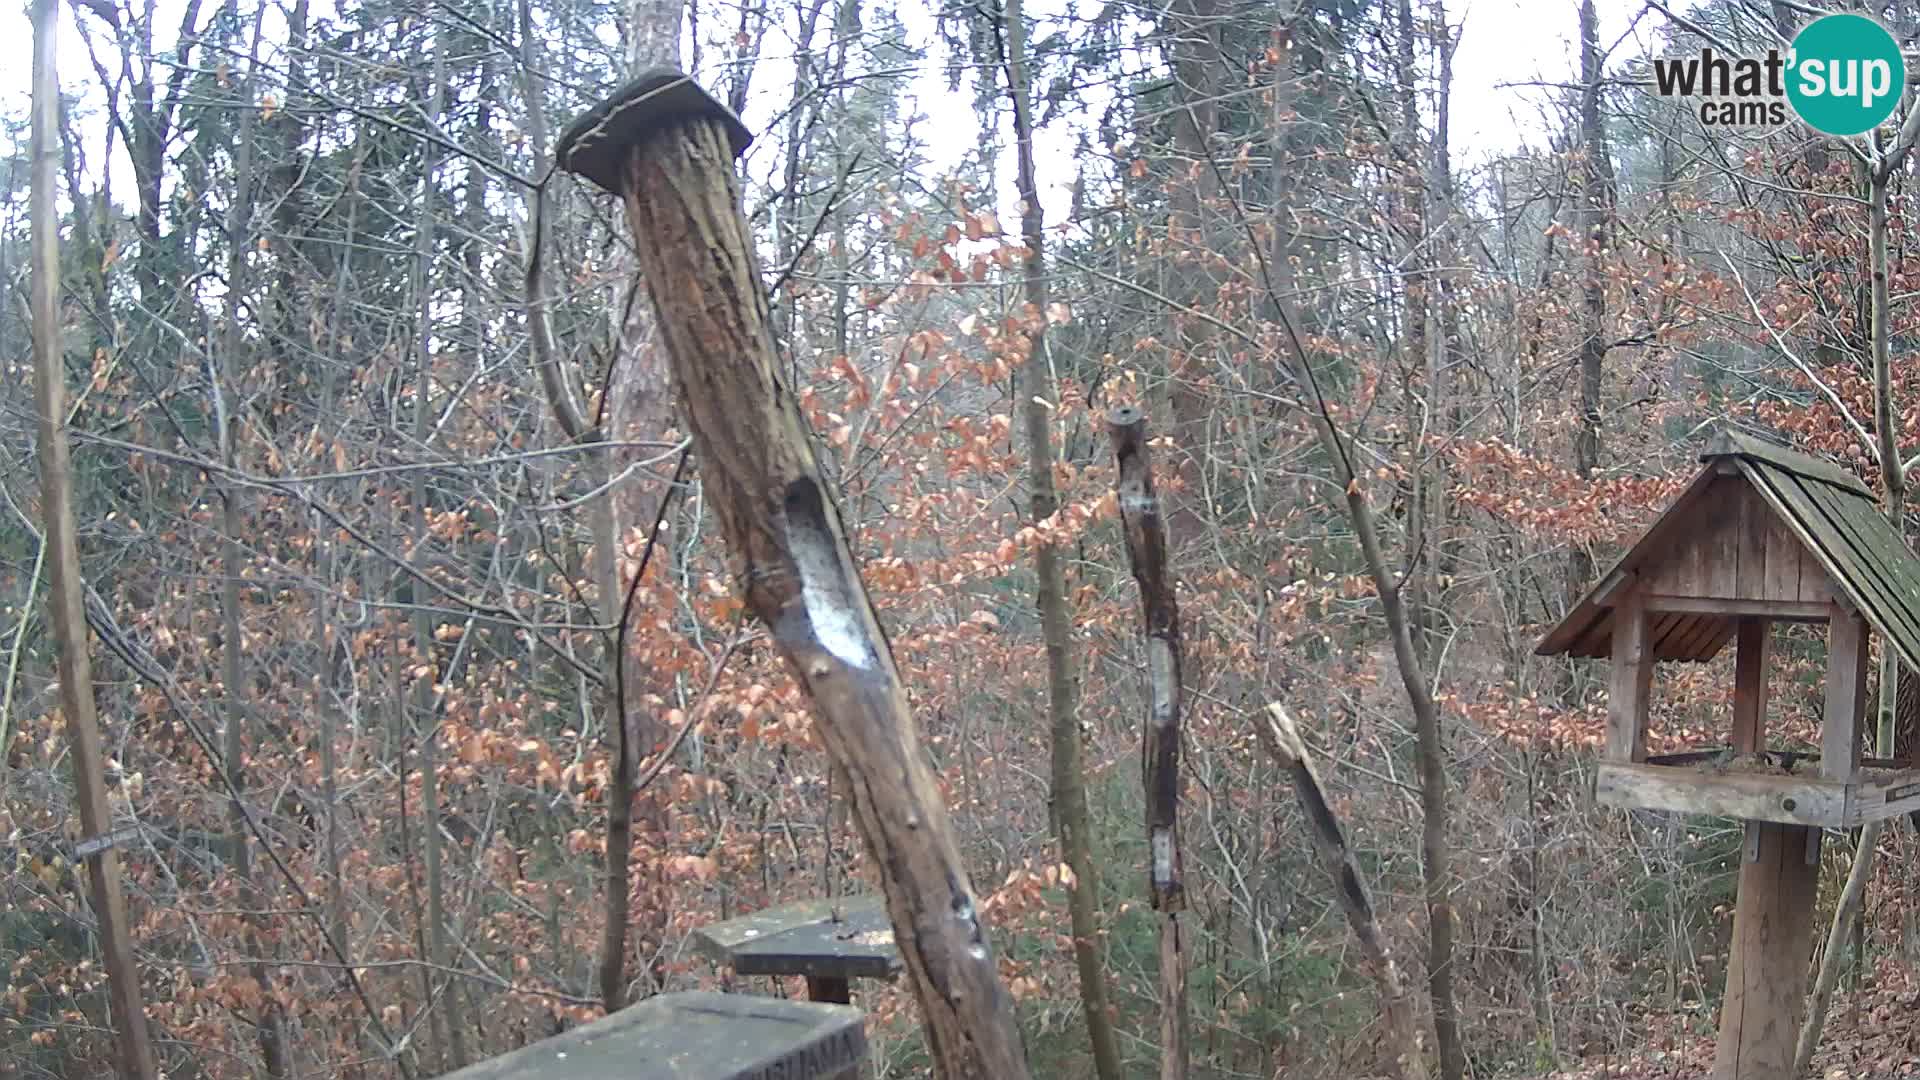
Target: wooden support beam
column 1632, row 681
column 1778, row 610
column 1703, row 791
column 1843, row 724
column 1750, row 685
column 1767, row 970
column 668, row 149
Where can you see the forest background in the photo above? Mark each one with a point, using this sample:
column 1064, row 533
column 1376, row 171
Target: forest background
column 384, row 521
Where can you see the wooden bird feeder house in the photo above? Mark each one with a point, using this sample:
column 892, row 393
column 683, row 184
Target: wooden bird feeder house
column 1762, row 535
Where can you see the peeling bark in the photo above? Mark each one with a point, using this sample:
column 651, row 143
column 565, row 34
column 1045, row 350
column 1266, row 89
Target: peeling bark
column 1146, row 534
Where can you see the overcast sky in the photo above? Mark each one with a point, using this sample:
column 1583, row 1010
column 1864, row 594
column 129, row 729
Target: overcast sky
column 1508, row 49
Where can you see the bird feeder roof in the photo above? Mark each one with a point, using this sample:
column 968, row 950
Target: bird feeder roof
column 1750, row 487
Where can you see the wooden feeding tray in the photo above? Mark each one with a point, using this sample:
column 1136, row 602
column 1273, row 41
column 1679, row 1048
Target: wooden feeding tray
column 1780, row 786
column 694, row 1036
column 828, row 941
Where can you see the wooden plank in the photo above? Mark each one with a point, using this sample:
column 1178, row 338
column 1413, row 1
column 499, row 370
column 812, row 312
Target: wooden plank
column 1719, row 640
column 1755, row 526
column 1663, row 629
column 1579, row 620
column 1794, row 800
column 1613, row 585
column 1846, row 695
column 694, row 1036
column 1883, row 799
column 1718, row 541
column 1597, row 642
column 1688, row 567
column 1784, row 556
column 1777, row 610
column 1695, row 643
column 1793, row 512
column 849, row 937
column 1750, row 685
column 1789, row 460
column 719, row 939
column 1632, row 677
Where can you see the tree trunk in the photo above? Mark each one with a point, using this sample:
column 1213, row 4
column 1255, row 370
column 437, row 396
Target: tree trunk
column 65, row 586
column 1035, row 391
column 426, row 695
column 1893, row 479
column 1281, row 737
column 1837, row 933
column 1596, row 201
column 1160, row 739
column 229, row 397
column 1195, row 52
column 670, row 153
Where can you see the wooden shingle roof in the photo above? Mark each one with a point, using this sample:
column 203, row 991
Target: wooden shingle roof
column 1832, row 514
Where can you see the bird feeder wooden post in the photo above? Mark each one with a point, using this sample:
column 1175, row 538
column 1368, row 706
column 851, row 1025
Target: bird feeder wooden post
column 667, row 149
column 1762, row 535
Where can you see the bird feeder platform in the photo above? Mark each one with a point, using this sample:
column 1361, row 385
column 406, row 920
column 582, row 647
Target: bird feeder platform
column 830, row 942
column 1776, row 786
column 694, row 1036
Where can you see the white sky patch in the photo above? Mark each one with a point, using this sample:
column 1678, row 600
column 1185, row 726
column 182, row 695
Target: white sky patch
column 1513, row 55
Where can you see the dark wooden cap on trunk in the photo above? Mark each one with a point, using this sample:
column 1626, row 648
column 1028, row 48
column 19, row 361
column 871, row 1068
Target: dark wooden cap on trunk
column 694, row 1036
column 596, row 144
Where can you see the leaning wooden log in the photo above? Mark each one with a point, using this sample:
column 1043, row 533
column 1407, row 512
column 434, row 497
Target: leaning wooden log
column 1277, row 731
column 1146, row 535
column 667, row 149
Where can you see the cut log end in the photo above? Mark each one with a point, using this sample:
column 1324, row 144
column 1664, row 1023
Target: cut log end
column 596, row 145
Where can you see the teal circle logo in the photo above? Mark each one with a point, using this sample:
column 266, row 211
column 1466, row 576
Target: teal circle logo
column 1846, row 75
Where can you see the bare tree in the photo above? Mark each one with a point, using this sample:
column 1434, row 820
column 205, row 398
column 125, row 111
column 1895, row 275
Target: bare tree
column 66, row 584
column 1036, row 395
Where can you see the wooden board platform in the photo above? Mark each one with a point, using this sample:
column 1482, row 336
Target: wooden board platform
column 1695, row 788
column 694, row 1036
column 804, row 939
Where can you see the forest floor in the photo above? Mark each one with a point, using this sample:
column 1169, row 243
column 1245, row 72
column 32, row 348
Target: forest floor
column 1871, row 1034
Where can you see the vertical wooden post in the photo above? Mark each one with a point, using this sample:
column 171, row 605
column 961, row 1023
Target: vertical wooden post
column 1754, row 646
column 1767, row 970
column 1773, row 916
column 667, row 149
column 1632, row 680
column 830, row 989
column 1842, row 725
